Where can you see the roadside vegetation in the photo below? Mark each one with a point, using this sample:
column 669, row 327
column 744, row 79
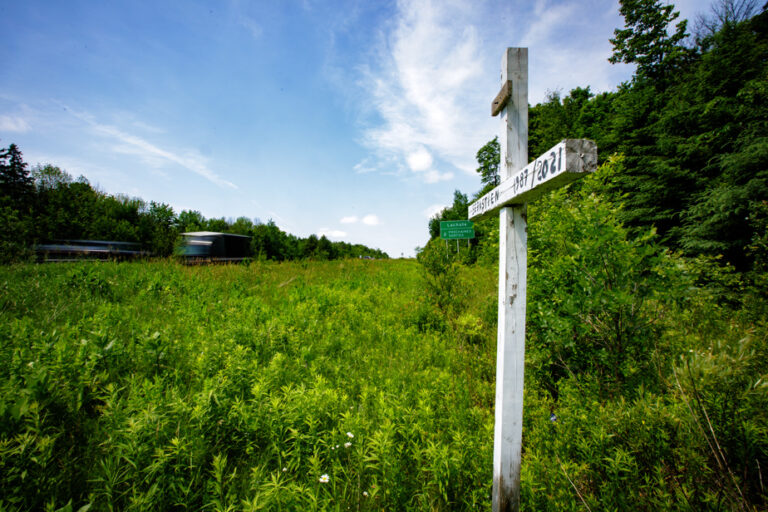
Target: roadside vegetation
column 46, row 205
column 645, row 385
column 294, row 386
column 370, row 385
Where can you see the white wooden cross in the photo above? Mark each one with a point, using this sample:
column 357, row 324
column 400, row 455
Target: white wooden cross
column 521, row 183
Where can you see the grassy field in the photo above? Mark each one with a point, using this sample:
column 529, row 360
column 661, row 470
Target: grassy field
column 306, row 386
column 369, row 385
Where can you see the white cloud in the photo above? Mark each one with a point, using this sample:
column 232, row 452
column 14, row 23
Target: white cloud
column 153, row 154
column 331, row 233
column 434, row 210
column 436, row 177
column 581, row 61
column 282, row 223
column 546, row 21
column 419, row 160
column 368, row 220
column 425, row 89
column 147, row 127
column 436, row 72
column 364, row 167
column 140, row 147
column 14, row 124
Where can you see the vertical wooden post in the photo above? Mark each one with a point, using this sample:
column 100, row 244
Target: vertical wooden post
column 513, row 255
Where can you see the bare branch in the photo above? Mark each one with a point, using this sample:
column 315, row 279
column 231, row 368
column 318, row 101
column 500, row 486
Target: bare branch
column 723, row 12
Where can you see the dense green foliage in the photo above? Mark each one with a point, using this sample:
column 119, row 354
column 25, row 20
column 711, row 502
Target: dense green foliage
column 364, row 385
column 658, row 390
column 646, row 336
column 690, row 128
column 15, row 182
column 47, row 205
column 241, row 395
column 653, row 364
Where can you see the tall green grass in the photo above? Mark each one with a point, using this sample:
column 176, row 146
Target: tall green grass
column 369, row 385
column 162, row 387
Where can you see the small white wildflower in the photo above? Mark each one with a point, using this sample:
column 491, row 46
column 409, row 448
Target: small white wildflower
column 324, row 479
column 350, row 435
column 365, row 493
column 285, row 469
column 337, row 446
column 347, row 444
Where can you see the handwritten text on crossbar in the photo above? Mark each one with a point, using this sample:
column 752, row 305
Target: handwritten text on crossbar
column 566, row 162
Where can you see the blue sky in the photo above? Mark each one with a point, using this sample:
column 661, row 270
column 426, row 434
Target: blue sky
column 353, row 119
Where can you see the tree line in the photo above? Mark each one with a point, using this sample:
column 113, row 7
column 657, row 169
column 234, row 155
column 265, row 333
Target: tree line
column 46, row 204
column 686, row 135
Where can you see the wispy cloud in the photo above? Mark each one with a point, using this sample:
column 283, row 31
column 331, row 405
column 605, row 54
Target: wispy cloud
column 433, row 176
column 241, row 14
column 437, row 69
column 156, row 156
column 250, row 25
column 433, row 210
column 331, row 233
column 365, row 167
column 147, row 127
column 424, row 87
column 558, row 63
column 14, row 124
column 282, row 223
column 546, row 18
column 368, row 220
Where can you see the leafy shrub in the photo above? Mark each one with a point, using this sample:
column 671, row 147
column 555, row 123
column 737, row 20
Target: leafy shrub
column 441, row 276
column 596, row 294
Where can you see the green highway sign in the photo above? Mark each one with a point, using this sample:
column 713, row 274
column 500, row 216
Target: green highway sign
column 456, row 229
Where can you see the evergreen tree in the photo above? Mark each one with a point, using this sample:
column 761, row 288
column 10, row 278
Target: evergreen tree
column 646, row 39
column 695, row 150
column 15, row 181
column 732, row 110
column 656, row 188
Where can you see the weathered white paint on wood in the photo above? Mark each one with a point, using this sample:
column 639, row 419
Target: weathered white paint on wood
column 502, row 98
column 566, row 162
column 513, row 248
column 510, row 358
column 513, row 140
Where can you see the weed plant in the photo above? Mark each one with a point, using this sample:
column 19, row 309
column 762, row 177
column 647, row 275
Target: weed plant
column 369, row 385
column 302, row 386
